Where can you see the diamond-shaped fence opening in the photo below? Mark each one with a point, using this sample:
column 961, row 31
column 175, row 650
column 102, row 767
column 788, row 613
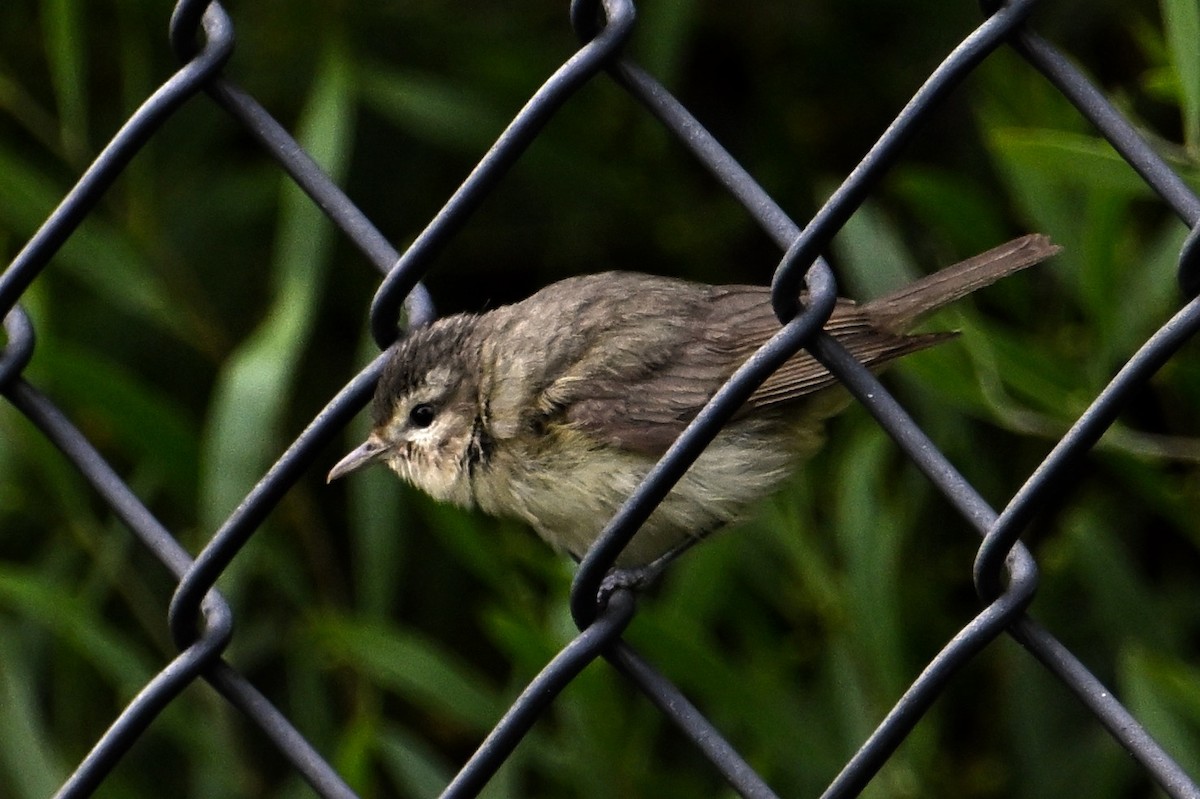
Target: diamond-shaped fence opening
column 389, row 710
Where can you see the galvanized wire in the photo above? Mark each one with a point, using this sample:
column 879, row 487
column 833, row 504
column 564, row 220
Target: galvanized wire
column 1005, row 573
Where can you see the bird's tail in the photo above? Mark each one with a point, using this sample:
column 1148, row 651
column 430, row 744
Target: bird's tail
column 900, row 309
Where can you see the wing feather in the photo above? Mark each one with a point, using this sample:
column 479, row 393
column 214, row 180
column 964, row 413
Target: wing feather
column 670, row 344
column 642, row 403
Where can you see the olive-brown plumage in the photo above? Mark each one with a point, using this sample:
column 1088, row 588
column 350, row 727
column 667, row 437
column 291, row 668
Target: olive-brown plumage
column 552, row 410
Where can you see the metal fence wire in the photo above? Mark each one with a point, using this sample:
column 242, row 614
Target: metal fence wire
column 1006, row 576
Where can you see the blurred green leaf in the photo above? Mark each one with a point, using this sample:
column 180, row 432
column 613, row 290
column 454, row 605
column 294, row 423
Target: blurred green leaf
column 1150, row 293
column 76, row 623
column 871, row 536
column 872, row 255
column 97, row 255
column 433, row 108
column 665, row 30
column 65, row 46
column 1181, row 19
column 26, row 754
column 1164, row 695
column 356, row 747
column 474, row 540
column 526, row 646
column 450, row 116
column 1093, row 764
column 411, row 666
column 380, row 520
column 416, row 769
column 950, row 204
column 1068, row 159
column 1127, row 601
column 791, row 520
column 252, row 392
column 1003, row 358
column 120, row 405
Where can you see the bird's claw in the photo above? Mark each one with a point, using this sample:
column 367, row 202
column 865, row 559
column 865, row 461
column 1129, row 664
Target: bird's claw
column 634, row 579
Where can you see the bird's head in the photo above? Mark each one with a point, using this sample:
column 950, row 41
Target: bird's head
column 427, row 423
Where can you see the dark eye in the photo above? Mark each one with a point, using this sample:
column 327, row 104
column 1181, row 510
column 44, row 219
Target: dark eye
column 421, row 415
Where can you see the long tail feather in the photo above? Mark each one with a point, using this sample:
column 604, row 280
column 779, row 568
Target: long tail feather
column 897, row 311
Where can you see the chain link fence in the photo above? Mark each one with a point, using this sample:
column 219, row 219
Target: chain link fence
column 1006, row 576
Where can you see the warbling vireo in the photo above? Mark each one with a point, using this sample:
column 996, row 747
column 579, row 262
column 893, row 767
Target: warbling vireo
column 553, row 409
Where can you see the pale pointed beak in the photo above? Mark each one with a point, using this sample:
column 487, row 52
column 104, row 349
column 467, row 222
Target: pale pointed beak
column 368, row 452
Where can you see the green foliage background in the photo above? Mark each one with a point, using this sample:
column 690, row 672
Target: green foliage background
column 205, row 312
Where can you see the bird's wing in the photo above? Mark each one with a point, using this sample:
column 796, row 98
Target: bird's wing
column 640, row 387
column 745, row 315
column 641, row 397
column 646, row 402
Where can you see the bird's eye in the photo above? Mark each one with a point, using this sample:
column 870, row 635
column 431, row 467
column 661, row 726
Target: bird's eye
column 421, row 415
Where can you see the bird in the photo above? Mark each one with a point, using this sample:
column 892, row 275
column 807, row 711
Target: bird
column 551, row 410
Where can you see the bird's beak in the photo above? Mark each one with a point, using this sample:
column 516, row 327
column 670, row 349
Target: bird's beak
column 368, row 452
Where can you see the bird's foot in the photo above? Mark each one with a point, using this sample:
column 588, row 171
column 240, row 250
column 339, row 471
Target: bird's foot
column 633, row 579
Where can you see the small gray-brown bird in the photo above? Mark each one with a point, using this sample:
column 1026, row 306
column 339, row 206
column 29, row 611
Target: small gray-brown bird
column 553, row 409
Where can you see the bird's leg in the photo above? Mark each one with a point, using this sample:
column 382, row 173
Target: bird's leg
column 637, row 578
